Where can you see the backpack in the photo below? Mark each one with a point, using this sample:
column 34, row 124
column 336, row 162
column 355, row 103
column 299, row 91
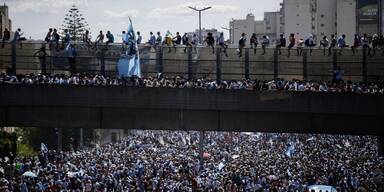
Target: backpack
column 241, row 41
column 307, row 43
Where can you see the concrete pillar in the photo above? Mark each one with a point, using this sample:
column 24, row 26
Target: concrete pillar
column 246, row 64
column 364, row 68
column 102, row 62
column 275, row 64
column 190, row 72
column 305, row 65
column 334, row 59
column 380, row 144
column 218, row 65
column 59, row 133
column 159, row 59
column 201, row 149
column 81, row 138
column 13, row 68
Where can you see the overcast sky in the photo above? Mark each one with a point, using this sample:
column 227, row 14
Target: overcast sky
column 36, row 16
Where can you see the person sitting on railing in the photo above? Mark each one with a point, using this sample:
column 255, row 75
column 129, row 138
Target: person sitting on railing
column 265, row 43
column 210, row 42
column 310, row 43
column 49, row 35
column 282, row 42
column 341, row 43
column 254, row 43
column 223, row 44
column 300, row 46
column 110, row 38
column 6, row 37
column 324, row 43
column 139, row 38
column 159, row 39
column 365, row 42
column 168, row 41
column 152, row 39
column 86, row 39
column 186, row 42
column 99, row 39
column 332, row 45
column 292, row 42
column 375, row 43
column 18, row 37
column 356, row 43
column 176, row 40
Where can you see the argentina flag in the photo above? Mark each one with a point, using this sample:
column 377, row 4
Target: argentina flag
column 129, row 62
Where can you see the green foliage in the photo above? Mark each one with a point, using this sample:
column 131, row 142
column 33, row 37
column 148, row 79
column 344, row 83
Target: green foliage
column 24, row 150
column 75, row 23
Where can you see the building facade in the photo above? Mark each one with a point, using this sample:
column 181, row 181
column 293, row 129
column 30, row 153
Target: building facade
column 270, row 26
column 5, row 22
column 346, row 19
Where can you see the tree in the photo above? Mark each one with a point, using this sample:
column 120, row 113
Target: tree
column 75, row 23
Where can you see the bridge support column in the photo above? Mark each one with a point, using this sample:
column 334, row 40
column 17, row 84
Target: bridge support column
column 102, row 62
column 334, row 60
column 201, row 149
column 13, row 67
column 246, row 64
column 305, row 65
column 364, row 66
column 275, row 64
column 81, row 140
column 59, row 133
column 380, row 144
column 159, row 59
column 218, row 65
column 190, row 73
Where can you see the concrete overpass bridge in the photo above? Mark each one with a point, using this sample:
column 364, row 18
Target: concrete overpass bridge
column 118, row 107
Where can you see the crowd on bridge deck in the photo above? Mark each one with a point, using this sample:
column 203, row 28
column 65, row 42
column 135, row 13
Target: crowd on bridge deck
column 161, row 81
column 370, row 43
column 232, row 162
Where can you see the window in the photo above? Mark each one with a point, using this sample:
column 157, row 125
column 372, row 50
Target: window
column 322, row 25
column 297, row 15
column 322, row 15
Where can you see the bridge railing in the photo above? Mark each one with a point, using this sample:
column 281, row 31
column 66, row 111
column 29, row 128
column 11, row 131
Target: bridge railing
column 197, row 62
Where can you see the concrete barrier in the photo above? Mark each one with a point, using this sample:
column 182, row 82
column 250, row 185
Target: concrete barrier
column 203, row 63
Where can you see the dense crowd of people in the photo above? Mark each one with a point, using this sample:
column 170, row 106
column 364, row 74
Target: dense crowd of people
column 170, row 161
column 160, row 81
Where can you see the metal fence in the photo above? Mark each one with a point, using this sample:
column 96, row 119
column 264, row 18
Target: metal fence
column 196, row 62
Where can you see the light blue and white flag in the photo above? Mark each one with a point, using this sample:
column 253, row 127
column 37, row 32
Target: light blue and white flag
column 43, row 148
column 129, row 62
column 290, row 150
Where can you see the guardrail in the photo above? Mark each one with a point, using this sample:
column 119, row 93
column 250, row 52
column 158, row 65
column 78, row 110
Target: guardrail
column 197, row 62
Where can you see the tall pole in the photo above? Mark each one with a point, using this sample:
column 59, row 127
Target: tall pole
column 200, row 26
column 199, row 10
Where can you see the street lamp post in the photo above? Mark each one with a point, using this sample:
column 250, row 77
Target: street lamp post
column 231, row 32
column 199, row 10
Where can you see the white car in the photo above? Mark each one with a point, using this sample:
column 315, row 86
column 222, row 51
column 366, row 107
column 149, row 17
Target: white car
column 322, row 188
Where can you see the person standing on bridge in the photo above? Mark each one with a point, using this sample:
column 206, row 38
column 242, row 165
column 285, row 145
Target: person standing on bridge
column 42, row 55
column 71, row 53
column 152, row 39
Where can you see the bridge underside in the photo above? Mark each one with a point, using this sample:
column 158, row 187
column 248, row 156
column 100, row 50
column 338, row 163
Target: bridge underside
column 199, row 120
